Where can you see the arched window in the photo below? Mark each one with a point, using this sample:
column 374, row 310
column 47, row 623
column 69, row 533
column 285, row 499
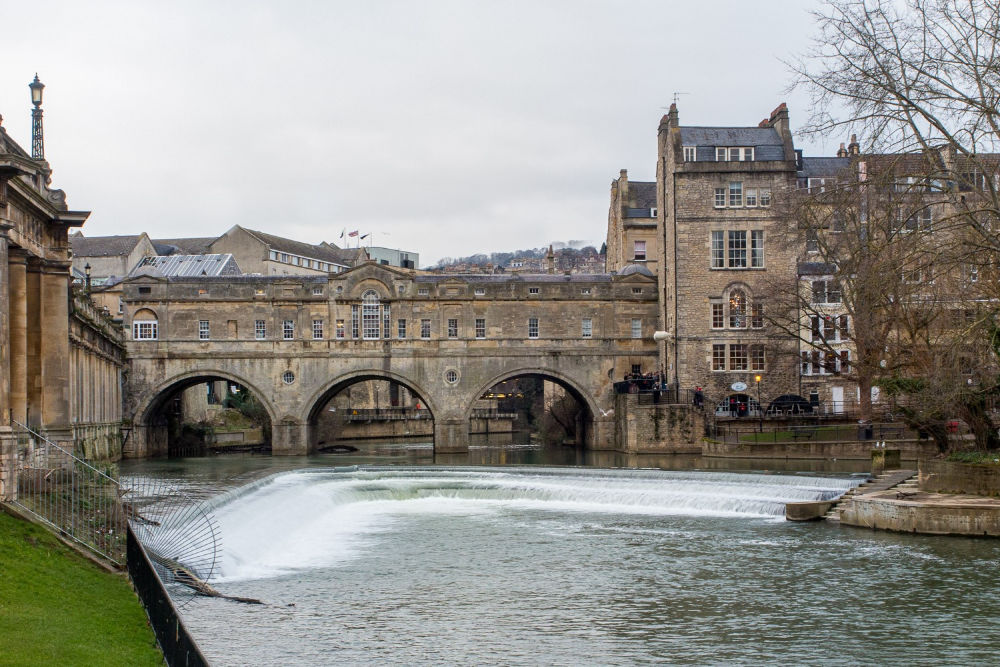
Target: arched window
column 145, row 325
column 738, row 309
column 370, row 315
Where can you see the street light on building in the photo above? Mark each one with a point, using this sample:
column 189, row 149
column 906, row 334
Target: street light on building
column 86, row 272
column 37, row 139
column 760, row 408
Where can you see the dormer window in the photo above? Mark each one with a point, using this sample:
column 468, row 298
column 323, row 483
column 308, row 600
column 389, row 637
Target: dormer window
column 734, row 154
column 690, row 153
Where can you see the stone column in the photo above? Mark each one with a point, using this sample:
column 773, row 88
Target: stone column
column 54, row 350
column 18, row 313
column 451, row 436
column 33, row 342
column 5, row 413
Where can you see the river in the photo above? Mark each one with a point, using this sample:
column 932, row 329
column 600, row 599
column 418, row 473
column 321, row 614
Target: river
column 467, row 561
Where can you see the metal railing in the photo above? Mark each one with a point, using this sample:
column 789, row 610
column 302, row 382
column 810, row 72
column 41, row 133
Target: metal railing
column 385, row 414
column 78, row 500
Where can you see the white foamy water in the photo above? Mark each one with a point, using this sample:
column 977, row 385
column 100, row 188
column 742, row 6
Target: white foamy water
column 327, row 517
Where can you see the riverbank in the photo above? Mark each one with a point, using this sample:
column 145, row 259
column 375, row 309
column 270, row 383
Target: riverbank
column 58, row 608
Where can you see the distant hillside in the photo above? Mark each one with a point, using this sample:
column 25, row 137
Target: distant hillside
column 567, row 258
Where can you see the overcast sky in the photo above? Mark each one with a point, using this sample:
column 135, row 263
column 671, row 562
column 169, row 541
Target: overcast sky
column 446, row 128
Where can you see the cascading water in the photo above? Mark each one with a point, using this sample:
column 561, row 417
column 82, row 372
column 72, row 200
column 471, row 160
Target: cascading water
column 320, row 518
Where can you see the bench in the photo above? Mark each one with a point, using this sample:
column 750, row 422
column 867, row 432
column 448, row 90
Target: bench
column 886, row 432
column 803, row 433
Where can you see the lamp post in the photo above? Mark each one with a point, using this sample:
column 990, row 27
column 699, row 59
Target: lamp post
column 37, row 140
column 86, row 272
column 760, row 408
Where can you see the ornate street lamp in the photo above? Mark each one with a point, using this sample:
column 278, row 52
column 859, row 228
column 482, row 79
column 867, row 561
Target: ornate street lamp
column 86, row 272
column 760, row 408
column 37, row 140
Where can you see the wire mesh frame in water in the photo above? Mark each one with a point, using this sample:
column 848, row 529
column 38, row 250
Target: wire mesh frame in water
column 69, row 494
column 180, row 537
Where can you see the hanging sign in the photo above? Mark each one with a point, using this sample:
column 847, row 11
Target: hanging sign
column 738, row 386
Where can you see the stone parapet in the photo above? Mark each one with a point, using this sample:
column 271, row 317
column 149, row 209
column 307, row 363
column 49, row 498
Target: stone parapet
column 656, row 428
column 931, row 514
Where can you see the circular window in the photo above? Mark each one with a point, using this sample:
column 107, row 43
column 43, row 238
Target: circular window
column 288, row 377
column 451, row 376
column 340, row 289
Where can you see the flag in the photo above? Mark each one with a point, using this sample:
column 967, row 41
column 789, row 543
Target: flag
column 366, row 236
column 354, row 233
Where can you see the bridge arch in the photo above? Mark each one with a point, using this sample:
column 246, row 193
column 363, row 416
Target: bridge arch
column 314, row 405
column 572, row 386
column 148, row 424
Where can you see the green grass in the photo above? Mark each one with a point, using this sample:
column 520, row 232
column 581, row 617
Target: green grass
column 58, row 608
column 835, row 432
column 990, row 458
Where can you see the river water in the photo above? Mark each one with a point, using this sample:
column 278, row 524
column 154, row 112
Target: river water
column 359, row 562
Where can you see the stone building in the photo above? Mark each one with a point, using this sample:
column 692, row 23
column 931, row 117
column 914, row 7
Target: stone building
column 49, row 354
column 632, row 224
column 270, row 255
column 110, row 258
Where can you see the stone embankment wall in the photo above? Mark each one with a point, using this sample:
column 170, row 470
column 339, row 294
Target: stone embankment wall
column 861, row 450
column 656, row 428
column 99, row 442
column 951, row 477
column 954, row 518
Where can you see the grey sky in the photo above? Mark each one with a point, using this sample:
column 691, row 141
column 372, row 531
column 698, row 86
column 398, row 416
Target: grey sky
column 447, row 128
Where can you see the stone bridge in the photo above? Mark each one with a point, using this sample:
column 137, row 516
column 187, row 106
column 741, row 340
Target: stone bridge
column 297, row 341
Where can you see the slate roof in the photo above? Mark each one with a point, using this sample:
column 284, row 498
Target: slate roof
column 189, row 246
column 816, row 268
column 824, row 167
column 326, row 253
column 515, row 277
column 187, row 265
column 641, row 194
column 103, row 246
column 635, row 268
column 730, row 136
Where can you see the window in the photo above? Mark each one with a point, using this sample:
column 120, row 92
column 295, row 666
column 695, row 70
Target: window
column 401, row 328
column 532, row 327
column 341, row 329
column 718, row 250
column 736, row 193
column 425, row 328
column 757, row 316
column 734, row 255
column 756, row 357
column 288, row 377
column 145, row 290
column 718, row 316
column 738, row 357
column 584, row 290
column 919, row 221
column 423, row 291
column 284, row 257
column 144, row 330
column 757, row 249
column 288, row 329
column 843, row 329
column 121, row 305
column 480, row 327
column 386, row 321
column 636, row 369
column 825, row 291
column 308, row 264
column 480, row 291
column 274, row 255
column 751, row 197
column 587, row 327
column 737, row 250
column 295, row 261
column 690, row 153
column 317, row 291
column 816, row 185
column 636, row 327
column 451, row 376
column 718, row 357
column 259, row 329
column 317, row 329
column 765, row 198
column 370, row 315
column 737, row 309
column 639, row 252
column 734, row 154
column 532, row 290
column 452, row 328
column 720, row 198
column 203, row 330
column 636, row 290
column 812, row 240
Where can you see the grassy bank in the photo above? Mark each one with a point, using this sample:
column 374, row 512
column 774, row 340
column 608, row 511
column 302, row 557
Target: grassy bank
column 58, row 608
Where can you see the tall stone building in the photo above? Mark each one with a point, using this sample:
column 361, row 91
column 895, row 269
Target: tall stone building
column 632, row 224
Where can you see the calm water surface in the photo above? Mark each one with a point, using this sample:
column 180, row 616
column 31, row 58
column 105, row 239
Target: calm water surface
column 529, row 564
